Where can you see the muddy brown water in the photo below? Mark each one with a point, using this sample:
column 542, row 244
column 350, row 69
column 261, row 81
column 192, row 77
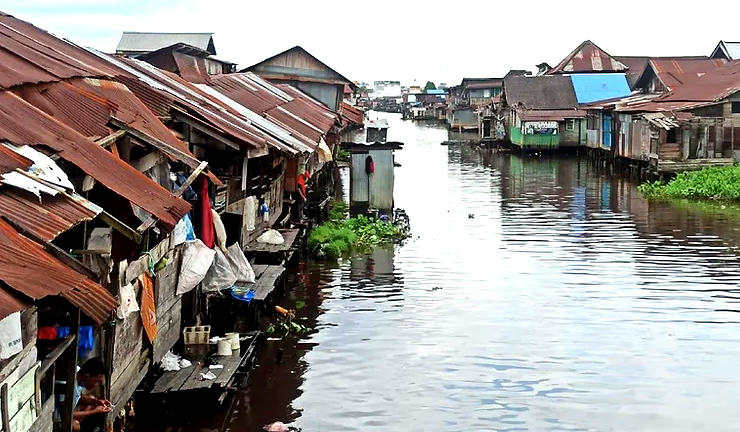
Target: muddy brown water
column 537, row 295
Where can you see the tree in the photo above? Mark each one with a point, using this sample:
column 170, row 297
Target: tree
column 430, row 86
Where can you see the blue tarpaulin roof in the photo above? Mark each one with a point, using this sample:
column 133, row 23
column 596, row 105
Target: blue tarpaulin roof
column 598, row 87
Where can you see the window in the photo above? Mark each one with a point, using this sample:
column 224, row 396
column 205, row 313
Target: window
column 486, row 93
column 736, row 107
column 593, row 121
column 570, row 124
column 671, row 136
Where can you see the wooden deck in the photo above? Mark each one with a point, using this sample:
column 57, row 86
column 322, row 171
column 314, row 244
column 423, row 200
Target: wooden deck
column 288, row 235
column 190, row 378
column 266, row 277
column 666, row 166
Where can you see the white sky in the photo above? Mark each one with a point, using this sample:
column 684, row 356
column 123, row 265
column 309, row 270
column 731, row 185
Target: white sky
column 400, row 40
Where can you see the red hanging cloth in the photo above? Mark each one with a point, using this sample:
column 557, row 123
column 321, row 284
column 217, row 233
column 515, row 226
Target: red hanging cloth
column 205, row 218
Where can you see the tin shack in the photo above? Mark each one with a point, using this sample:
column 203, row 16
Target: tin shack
column 376, row 131
column 372, row 177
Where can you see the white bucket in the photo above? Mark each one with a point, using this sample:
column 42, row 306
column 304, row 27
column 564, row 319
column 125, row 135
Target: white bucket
column 234, row 338
column 224, row 347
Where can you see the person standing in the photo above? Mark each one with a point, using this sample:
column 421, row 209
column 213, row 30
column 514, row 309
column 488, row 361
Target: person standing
column 302, row 190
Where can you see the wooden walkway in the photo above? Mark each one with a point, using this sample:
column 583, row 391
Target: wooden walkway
column 190, row 378
column 266, row 277
column 288, row 235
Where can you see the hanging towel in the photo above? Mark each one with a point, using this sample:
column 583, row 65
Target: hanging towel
column 205, row 217
column 148, row 307
column 250, row 208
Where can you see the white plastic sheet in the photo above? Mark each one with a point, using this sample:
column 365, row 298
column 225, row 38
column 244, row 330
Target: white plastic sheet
column 220, row 276
column 11, row 337
column 239, row 264
column 127, row 297
column 197, row 258
column 170, row 362
column 271, row 237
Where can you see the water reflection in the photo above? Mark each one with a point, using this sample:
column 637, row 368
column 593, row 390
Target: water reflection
column 538, row 294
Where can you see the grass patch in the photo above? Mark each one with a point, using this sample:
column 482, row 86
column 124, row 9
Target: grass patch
column 340, row 234
column 721, row 183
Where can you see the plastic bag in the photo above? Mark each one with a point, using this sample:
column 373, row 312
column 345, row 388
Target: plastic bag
column 218, row 226
column 185, row 363
column 11, row 337
column 239, row 264
column 183, row 230
column 271, row 237
column 170, row 362
column 127, row 297
column 219, row 276
column 208, row 376
column 197, row 258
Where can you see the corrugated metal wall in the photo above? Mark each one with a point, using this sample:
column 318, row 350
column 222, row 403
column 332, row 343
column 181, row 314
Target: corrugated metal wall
column 381, row 181
column 358, row 178
column 324, row 93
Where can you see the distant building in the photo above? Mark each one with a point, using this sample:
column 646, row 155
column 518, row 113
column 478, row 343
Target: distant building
column 170, row 50
column 299, row 68
column 387, row 89
column 727, row 51
column 133, row 44
column 588, row 58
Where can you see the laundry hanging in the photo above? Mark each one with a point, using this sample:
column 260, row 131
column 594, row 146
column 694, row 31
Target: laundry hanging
column 205, row 229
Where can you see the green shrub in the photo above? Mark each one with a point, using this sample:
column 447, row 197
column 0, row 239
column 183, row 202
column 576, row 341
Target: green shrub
column 714, row 183
column 340, row 234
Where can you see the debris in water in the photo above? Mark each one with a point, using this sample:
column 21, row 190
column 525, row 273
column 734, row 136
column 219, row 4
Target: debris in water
column 276, row 427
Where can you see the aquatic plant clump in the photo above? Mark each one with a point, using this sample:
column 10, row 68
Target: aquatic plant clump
column 714, row 183
column 341, row 234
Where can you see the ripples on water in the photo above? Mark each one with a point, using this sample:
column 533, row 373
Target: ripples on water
column 568, row 303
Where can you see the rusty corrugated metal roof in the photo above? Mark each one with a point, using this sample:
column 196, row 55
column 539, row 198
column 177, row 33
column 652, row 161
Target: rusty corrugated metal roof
column 31, row 271
column 48, row 216
column 190, row 97
column 352, row 115
column 309, row 109
column 712, row 86
column 191, row 68
column 88, row 104
column 23, row 124
column 29, row 55
column 674, row 73
column 588, row 58
column 10, row 160
column 282, row 104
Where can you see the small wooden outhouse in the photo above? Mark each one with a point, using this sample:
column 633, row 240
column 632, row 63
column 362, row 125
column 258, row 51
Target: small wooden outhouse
column 372, row 177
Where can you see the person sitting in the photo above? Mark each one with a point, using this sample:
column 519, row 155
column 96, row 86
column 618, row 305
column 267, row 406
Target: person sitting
column 88, row 408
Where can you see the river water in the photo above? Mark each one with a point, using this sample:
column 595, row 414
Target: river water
column 536, row 295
